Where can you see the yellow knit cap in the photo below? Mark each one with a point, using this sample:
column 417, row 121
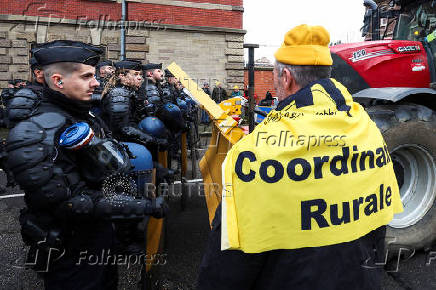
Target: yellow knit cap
column 305, row 45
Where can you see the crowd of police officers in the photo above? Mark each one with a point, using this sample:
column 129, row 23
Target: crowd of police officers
column 81, row 145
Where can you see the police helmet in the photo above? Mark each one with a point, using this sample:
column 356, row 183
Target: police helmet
column 154, row 127
column 182, row 105
column 190, row 102
column 171, row 116
column 142, row 162
column 155, row 100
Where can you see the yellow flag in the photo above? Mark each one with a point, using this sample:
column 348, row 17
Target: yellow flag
column 315, row 173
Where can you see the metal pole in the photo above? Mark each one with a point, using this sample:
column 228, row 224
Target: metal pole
column 251, row 100
column 123, row 30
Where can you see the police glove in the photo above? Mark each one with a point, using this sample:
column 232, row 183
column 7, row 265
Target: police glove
column 163, row 144
column 127, row 207
column 138, row 136
column 160, row 208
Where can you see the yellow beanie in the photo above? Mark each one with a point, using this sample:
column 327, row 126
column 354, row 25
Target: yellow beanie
column 305, row 45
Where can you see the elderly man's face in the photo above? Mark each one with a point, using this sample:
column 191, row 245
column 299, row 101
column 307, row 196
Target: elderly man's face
column 285, row 85
column 278, row 85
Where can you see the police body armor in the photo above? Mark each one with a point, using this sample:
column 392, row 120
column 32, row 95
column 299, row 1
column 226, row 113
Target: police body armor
column 22, row 104
column 169, row 93
column 152, row 89
column 119, row 115
column 18, row 105
column 57, row 196
column 99, row 157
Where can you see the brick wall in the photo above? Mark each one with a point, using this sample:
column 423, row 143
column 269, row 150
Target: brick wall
column 185, row 16
column 224, row 2
column 200, row 54
column 263, row 82
column 111, row 11
column 215, row 52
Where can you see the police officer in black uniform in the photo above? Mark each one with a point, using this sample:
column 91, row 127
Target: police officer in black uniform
column 103, row 71
column 68, row 218
column 30, row 94
column 122, row 109
column 152, row 81
column 37, row 82
column 169, row 90
column 6, row 94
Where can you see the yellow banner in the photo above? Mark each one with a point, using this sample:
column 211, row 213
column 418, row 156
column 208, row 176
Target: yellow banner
column 224, row 133
column 313, row 174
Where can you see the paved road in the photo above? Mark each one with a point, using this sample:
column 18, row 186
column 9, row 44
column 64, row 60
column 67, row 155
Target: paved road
column 186, row 236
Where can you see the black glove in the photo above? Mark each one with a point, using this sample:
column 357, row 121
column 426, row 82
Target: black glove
column 165, row 175
column 138, row 136
column 160, row 208
column 127, row 207
column 163, row 143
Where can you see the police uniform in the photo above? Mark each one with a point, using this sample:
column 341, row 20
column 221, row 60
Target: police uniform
column 67, row 219
column 30, row 95
column 100, row 79
column 169, row 92
column 122, row 111
column 153, row 90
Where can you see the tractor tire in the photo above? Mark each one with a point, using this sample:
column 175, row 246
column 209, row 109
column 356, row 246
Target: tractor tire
column 409, row 131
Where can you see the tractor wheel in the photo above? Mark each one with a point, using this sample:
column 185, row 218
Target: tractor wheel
column 410, row 133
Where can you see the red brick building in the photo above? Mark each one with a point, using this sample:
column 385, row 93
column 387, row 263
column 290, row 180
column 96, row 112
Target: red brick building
column 263, row 81
column 263, row 78
column 205, row 37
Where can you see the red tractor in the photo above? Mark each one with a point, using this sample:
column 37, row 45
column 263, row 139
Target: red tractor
column 394, row 80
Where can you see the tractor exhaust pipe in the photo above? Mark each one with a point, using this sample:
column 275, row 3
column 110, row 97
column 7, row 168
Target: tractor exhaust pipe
column 371, row 4
column 372, row 17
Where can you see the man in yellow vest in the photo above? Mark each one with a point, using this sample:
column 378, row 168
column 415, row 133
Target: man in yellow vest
column 308, row 194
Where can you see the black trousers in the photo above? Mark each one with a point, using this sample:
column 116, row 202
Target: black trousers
column 88, row 262
column 73, row 272
column 351, row 265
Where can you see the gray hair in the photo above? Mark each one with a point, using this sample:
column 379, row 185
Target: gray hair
column 305, row 74
column 63, row 68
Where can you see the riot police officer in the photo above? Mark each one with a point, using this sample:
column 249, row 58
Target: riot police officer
column 37, row 82
column 152, row 81
column 103, row 71
column 67, row 217
column 30, row 94
column 122, row 110
column 169, row 90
